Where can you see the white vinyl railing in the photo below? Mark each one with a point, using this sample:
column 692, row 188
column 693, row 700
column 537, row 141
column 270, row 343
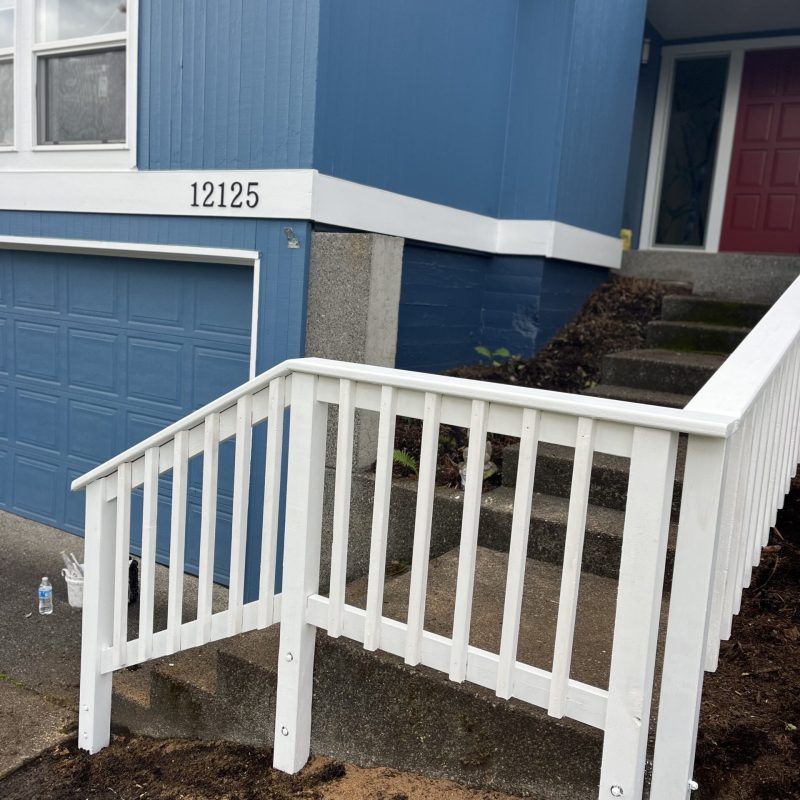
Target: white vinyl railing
column 742, row 450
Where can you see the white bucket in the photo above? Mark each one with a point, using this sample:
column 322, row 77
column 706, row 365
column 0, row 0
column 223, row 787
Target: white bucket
column 74, row 589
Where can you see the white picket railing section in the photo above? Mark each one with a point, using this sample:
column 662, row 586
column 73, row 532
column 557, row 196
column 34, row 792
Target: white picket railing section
column 742, row 450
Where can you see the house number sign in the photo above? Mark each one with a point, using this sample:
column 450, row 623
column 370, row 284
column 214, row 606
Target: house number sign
column 234, row 194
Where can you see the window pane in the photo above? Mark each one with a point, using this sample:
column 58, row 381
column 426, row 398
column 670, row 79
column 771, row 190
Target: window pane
column 6, row 23
column 70, row 19
column 82, row 97
column 6, row 103
column 691, row 151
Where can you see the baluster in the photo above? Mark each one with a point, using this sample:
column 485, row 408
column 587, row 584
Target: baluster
column 468, row 548
column 272, row 497
column 763, row 510
column 177, row 538
column 788, row 468
column 518, row 552
column 571, row 570
column 426, row 488
column 208, row 527
column 241, row 497
column 121, row 570
column 341, row 507
column 641, row 580
column 148, row 560
column 380, row 519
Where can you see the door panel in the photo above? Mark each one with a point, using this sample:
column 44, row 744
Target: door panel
column 762, row 209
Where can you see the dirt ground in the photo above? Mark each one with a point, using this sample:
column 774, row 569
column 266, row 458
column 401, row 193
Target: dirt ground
column 177, row 769
column 748, row 740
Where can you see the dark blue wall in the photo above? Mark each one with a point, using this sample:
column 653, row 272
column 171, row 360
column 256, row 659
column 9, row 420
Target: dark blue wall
column 226, row 85
column 642, row 131
column 451, row 302
column 413, row 96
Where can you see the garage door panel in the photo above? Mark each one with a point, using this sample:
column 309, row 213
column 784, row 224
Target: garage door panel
column 36, row 286
column 38, row 486
column 36, row 351
column 91, row 431
column 221, row 312
column 139, row 426
column 216, row 367
column 93, row 292
column 4, row 347
column 37, row 420
column 74, row 503
column 93, row 360
column 156, row 297
column 155, row 371
column 5, row 416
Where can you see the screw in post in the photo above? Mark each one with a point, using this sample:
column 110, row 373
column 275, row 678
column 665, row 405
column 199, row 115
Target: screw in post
column 616, row 791
column 289, row 657
column 693, row 786
column 284, row 731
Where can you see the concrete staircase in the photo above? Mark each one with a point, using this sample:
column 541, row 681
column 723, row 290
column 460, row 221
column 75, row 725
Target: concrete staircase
column 371, row 708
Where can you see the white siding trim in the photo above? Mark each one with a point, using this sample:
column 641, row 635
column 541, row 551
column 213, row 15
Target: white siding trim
column 161, row 252
column 304, row 194
column 735, row 49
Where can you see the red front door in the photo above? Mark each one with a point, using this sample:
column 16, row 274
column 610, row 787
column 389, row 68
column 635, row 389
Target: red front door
column 762, row 209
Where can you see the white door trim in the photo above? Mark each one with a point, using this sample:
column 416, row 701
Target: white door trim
column 735, row 49
column 161, row 252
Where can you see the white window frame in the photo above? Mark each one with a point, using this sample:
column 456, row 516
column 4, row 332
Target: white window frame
column 9, row 54
column 26, row 153
column 735, row 49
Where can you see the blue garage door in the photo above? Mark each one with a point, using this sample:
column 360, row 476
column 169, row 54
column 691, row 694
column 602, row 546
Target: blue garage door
column 99, row 353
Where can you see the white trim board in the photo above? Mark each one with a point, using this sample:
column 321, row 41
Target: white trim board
column 735, row 49
column 161, row 252
column 307, row 195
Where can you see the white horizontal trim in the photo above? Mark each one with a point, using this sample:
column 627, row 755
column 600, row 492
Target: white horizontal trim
column 207, row 255
column 308, row 195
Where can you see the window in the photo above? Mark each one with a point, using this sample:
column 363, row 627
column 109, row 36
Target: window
column 6, row 73
column 67, row 83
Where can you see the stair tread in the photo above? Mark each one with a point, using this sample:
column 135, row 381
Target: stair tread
column 700, row 326
column 703, row 360
column 633, row 395
column 196, row 667
column 595, row 619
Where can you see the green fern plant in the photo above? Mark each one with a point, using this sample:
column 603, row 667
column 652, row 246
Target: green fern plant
column 405, row 459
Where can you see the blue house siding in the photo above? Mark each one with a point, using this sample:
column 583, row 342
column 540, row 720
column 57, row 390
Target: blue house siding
column 451, row 302
column 227, row 85
column 413, row 96
column 595, row 137
column 642, row 132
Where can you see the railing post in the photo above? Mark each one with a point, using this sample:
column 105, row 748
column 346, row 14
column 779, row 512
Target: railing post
column 641, row 579
column 689, row 611
column 305, row 482
column 94, row 723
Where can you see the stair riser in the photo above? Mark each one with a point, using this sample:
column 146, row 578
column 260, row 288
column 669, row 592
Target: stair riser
column 546, row 541
column 372, row 710
column 689, row 338
column 609, row 487
column 655, row 375
column 711, row 312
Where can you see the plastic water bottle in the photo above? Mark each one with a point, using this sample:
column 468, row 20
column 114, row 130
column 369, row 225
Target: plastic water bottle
column 45, row 597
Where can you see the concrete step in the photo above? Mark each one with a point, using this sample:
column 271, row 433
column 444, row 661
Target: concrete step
column 609, row 485
column 697, row 337
column 632, row 395
column 660, row 370
column 371, row 709
column 713, row 311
